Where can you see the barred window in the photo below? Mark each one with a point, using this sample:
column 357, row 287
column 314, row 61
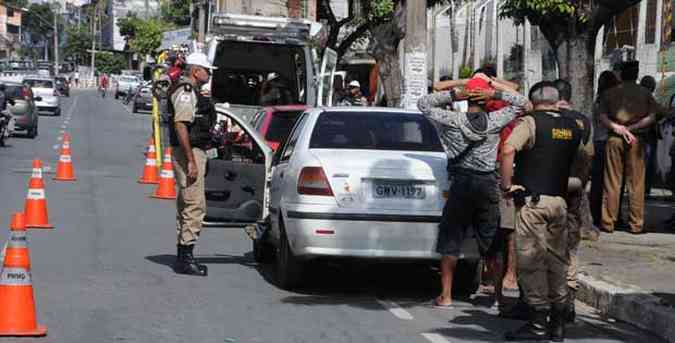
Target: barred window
column 622, row 29
column 650, row 35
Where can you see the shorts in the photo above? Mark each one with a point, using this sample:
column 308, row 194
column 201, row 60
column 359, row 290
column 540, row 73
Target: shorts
column 473, row 202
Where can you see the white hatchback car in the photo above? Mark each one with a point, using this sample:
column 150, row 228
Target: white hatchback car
column 365, row 183
column 45, row 88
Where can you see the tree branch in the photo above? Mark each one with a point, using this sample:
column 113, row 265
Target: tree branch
column 358, row 33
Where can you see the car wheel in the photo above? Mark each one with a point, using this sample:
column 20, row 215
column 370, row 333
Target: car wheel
column 289, row 267
column 57, row 112
column 32, row 132
column 117, row 96
column 263, row 252
column 134, row 109
column 467, row 276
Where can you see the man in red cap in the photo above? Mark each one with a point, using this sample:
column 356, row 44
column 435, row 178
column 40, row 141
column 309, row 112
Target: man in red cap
column 471, row 140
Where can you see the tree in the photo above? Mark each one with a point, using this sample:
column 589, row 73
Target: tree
column 571, row 28
column 176, row 12
column 110, row 63
column 147, row 36
column 16, row 3
column 127, row 26
column 35, row 22
column 79, row 41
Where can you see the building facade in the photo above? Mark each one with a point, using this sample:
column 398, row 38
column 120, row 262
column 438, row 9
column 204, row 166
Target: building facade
column 10, row 31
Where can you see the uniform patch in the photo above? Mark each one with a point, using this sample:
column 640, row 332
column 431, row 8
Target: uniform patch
column 185, row 97
column 562, row 134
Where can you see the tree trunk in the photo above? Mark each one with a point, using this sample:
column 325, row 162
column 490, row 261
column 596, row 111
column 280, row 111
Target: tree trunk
column 390, row 74
column 576, row 61
column 383, row 47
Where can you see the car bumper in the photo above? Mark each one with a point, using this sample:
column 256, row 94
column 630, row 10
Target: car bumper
column 47, row 105
column 143, row 105
column 23, row 123
column 315, row 232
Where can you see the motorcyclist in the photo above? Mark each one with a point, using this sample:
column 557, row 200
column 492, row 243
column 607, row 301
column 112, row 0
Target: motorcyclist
column 103, row 84
column 6, row 123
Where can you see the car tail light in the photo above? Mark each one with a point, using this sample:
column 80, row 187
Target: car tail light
column 313, row 181
column 24, row 93
column 56, row 92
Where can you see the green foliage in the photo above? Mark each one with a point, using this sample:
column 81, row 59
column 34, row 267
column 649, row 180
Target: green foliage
column 17, row 3
column 148, row 36
column 382, row 8
column 110, row 63
column 175, row 11
column 79, row 40
column 127, row 25
column 465, row 72
column 38, row 21
column 521, row 9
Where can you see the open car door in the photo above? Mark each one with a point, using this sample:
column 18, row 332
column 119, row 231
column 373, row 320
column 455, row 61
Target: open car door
column 237, row 190
column 325, row 84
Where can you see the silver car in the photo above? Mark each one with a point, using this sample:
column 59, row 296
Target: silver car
column 24, row 111
column 45, row 89
column 363, row 183
column 125, row 84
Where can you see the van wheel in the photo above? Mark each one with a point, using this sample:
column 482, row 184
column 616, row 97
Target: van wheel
column 289, row 268
column 467, row 276
column 263, row 252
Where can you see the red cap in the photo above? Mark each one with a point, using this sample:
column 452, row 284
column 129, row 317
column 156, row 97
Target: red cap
column 476, row 84
column 495, row 105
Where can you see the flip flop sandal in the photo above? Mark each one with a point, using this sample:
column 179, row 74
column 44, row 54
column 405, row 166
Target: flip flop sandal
column 435, row 304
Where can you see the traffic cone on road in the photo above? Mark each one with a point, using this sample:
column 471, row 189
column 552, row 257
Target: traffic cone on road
column 150, row 175
column 17, row 303
column 35, row 208
column 167, row 183
column 64, row 169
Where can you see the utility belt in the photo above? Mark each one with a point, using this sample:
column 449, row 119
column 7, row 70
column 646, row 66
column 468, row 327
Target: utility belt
column 455, row 170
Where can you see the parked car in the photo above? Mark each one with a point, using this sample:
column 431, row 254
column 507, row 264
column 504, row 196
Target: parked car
column 45, row 89
column 274, row 124
column 23, row 110
column 124, row 84
column 142, row 100
column 348, row 183
column 62, row 85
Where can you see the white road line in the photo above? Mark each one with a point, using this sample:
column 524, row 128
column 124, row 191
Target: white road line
column 396, row 310
column 64, row 126
column 435, row 338
column 55, row 147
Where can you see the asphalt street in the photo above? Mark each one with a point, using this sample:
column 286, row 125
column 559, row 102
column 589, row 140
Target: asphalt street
column 103, row 274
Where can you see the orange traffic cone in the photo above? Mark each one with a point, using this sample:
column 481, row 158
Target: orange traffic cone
column 64, row 169
column 150, row 175
column 17, row 304
column 151, row 142
column 167, row 184
column 36, row 201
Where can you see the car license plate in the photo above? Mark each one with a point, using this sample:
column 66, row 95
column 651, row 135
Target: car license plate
column 390, row 190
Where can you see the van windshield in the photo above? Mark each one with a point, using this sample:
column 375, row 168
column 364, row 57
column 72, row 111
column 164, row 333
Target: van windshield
column 259, row 74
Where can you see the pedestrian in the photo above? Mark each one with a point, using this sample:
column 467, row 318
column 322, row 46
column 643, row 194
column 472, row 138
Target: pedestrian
column 77, row 78
column 543, row 146
column 627, row 110
column 607, row 80
column 471, row 141
column 651, row 140
column 353, row 96
column 190, row 137
column 579, row 219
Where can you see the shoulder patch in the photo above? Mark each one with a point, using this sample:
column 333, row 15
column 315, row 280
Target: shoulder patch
column 185, row 97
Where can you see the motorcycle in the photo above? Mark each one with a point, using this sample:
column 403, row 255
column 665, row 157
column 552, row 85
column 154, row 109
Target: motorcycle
column 6, row 127
column 102, row 90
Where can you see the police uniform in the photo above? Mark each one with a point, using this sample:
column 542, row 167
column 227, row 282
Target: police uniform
column 188, row 106
column 546, row 145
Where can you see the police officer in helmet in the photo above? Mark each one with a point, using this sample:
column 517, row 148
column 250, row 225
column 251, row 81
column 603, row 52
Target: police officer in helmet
column 545, row 144
column 190, row 136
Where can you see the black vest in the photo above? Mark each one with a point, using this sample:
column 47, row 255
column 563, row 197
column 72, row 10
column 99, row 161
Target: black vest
column 544, row 169
column 205, row 119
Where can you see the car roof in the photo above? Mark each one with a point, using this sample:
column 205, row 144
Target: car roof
column 286, row 108
column 359, row 109
column 38, row 78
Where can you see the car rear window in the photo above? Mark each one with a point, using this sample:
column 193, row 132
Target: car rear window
column 374, row 131
column 13, row 92
column 39, row 83
column 281, row 125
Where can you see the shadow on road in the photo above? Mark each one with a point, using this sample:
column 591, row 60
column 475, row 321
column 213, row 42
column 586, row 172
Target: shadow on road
column 168, row 260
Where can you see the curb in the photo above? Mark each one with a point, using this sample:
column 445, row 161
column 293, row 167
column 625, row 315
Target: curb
column 630, row 304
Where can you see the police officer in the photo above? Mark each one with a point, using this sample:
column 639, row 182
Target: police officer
column 546, row 144
column 190, row 137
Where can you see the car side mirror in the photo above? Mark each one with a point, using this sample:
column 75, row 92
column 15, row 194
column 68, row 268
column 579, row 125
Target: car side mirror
column 37, row 98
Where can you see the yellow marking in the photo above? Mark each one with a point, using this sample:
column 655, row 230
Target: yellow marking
column 562, row 134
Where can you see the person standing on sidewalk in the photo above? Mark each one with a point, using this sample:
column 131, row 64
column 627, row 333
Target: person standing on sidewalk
column 546, row 144
column 471, row 141
column 578, row 207
column 606, row 81
column 626, row 109
column 190, row 136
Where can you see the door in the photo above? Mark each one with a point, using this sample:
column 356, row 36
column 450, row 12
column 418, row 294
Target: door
column 325, row 86
column 236, row 186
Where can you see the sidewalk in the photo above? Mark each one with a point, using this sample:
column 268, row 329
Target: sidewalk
column 632, row 277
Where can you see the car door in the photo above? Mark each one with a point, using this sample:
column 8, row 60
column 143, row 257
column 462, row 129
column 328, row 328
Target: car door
column 326, row 78
column 237, row 180
column 280, row 166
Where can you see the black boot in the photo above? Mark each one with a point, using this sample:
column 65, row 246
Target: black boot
column 559, row 313
column 535, row 330
column 570, row 311
column 186, row 264
column 519, row 311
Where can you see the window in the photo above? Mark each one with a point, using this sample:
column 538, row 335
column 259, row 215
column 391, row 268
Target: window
column 290, row 144
column 281, row 125
column 622, row 30
column 650, row 35
column 39, row 83
column 374, row 131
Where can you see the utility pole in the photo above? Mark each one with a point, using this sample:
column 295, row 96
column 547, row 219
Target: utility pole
column 93, row 42
column 415, row 72
column 202, row 20
column 56, row 41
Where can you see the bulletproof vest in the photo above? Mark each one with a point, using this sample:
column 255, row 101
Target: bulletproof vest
column 205, row 119
column 580, row 117
column 544, row 169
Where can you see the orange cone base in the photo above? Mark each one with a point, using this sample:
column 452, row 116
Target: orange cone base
column 148, row 182
column 40, row 331
column 40, row 226
column 169, row 197
column 65, row 178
